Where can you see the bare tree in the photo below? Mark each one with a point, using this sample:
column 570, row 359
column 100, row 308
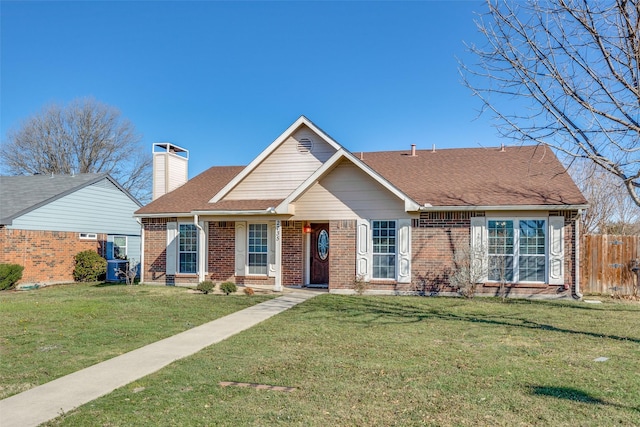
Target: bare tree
column 565, row 73
column 611, row 210
column 85, row 136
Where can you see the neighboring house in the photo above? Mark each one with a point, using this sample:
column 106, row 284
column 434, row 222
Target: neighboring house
column 45, row 220
column 307, row 212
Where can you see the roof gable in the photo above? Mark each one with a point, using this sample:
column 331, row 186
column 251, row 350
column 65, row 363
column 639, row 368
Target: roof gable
column 22, row 194
column 283, row 165
column 329, row 166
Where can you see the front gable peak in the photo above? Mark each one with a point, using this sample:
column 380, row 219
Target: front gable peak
column 287, row 162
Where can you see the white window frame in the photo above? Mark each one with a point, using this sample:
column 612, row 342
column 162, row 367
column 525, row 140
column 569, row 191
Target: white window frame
column 126, row 247
column 265, row 253
column 516, row 248
column 179, row 252
column 374, row 253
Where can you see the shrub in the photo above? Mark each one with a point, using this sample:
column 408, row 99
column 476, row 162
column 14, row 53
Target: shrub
column 206, row 286
column 249, row 291
column 360, row 285
column 228, row 288
column 90, row 267
column 9, row 275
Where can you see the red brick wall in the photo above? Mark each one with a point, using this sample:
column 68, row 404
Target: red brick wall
column 292, row 253
column 155, row 247
column 47, row 256
column 437, row 235
column 435, row 238
column 570, row 249
column 221, row 256
column 342, row 258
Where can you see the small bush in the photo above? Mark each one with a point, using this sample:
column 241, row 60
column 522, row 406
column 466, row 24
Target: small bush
column 206, row 286
column 9, row 275
column 360, row 285
column 90, row 267
column 228, row 288
column 249, row 291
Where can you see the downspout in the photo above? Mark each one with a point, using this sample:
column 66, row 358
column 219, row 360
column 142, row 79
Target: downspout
column 201, row 254
column 576, row 243
column 139, row 221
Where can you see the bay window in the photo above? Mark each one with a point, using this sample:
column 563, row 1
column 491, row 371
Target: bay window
column 517, row 250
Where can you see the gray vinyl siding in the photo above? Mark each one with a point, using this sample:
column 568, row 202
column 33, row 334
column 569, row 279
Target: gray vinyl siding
column 134, row 244
column 98, row 208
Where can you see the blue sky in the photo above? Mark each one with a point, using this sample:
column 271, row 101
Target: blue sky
column 224, row 79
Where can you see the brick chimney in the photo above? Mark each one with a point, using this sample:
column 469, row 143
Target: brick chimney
column 170, row 167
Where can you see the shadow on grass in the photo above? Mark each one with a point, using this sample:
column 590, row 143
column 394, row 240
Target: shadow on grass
column 575, row 395
column 382, row 310
column 566, row 393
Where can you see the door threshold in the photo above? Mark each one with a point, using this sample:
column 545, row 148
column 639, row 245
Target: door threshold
column 317, row 285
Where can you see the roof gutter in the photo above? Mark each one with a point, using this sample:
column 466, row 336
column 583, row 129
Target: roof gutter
column 428, row 208
column 268, row 211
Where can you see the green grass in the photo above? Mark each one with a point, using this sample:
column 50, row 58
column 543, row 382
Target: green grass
column 57, row 330
column 399, row 361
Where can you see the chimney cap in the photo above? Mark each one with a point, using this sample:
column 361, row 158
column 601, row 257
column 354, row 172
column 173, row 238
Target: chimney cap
column 168, row 147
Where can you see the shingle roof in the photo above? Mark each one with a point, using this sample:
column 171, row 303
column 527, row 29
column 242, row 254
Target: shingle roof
column 195, row 193
column 515, row 176
column 21, row 194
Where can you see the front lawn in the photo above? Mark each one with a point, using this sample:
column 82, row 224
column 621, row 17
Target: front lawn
column 57, row 330
column 384, row 361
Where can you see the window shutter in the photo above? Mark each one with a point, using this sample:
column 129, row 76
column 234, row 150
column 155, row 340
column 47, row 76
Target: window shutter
column 556, row 250
column 404, row 251
column 172, row 248
column 203, row 239
column 363, row 251
column 478, row 248
column 271, row 247
column 241, row 248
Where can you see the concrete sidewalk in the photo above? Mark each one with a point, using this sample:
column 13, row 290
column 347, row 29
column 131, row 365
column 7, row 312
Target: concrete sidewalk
column 50, row 400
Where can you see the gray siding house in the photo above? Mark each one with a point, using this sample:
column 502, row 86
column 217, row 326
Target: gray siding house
column 45, row 220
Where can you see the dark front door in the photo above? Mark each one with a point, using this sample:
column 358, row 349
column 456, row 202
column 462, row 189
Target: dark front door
column 320, row 254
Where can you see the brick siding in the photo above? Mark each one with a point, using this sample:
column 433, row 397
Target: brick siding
column 292, row 253
column 221, row 256
column 436, row 239
column 342, row 258
column 48, row 257
column 155, row 248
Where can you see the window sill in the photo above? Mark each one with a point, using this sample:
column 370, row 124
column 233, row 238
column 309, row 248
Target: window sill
column 518, row 285
column 250, row 277
column 383, row 282
column 186, row 274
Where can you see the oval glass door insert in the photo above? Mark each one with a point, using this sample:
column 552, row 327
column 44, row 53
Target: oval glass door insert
column 323, row 244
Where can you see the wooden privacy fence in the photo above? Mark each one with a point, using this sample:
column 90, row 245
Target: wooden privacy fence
column 606, row 264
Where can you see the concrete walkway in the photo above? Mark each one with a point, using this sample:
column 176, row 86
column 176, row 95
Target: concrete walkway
column 50, row 400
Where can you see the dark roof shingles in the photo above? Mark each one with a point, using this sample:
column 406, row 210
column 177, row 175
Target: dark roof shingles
column 515, row 176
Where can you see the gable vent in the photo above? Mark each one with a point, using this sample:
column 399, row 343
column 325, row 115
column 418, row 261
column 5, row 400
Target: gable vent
column 305, row 145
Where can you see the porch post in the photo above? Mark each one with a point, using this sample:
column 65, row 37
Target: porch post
column 202, row 249
column 278, row 278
